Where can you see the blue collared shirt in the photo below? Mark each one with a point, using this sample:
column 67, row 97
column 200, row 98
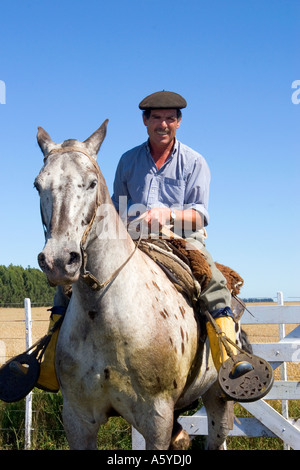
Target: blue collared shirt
column 181, row 183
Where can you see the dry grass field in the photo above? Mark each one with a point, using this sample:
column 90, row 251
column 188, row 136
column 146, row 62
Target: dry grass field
column 12, row 333
column 12, row 329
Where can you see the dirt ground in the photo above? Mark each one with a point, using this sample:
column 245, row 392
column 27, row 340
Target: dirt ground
column 12, row 334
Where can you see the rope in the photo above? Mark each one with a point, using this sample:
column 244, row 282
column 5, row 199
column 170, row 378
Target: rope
column 93, row 282
column 41, row 345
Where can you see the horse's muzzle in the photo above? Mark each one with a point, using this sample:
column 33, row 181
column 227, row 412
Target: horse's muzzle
column 60, row 269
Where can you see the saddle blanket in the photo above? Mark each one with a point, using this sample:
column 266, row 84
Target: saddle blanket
column 189, row 270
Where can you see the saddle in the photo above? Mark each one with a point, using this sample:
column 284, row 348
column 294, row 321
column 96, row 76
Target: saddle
column 189, row 269
column 190, row 273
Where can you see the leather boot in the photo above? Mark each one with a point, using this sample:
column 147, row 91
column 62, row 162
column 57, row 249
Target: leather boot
column 47, row 380
column 227, row 326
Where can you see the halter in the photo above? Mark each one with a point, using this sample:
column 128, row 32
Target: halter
column 95, row 165
column 89, row 278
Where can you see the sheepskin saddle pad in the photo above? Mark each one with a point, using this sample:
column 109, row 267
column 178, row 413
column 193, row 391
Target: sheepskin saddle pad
column 186, row 267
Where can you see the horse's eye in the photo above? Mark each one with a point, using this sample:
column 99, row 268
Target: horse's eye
column 93, row 184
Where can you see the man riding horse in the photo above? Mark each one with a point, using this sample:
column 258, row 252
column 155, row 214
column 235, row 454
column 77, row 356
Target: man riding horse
column 170, row 182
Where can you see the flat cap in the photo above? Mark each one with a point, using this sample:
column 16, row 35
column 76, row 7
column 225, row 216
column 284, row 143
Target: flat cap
column 163, row 100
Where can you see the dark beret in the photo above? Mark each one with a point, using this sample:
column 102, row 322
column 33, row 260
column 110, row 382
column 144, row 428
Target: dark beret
column 163, row 100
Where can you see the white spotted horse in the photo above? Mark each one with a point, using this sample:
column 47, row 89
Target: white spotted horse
column 130, row 343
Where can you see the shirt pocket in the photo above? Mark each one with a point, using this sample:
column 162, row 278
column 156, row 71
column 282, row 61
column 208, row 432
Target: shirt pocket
column 172, row 192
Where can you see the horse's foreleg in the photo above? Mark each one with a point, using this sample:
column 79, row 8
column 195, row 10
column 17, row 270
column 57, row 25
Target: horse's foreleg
column 180, row 438
column 81, row 432
column 219, row 417
column 158, row 425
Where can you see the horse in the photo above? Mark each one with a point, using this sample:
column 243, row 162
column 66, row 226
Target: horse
column 130, row 343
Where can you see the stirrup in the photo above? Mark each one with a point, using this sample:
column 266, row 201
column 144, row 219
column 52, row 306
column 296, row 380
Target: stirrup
column 253, row 385
column 20, row 374
column 18, row 377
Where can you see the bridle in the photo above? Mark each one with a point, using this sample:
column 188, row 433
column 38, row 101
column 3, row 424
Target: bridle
column 97, row 169
column 88, row 277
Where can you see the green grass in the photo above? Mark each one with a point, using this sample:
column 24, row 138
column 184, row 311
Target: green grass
column 253, row 443
column 261, row 443
column 48, row 433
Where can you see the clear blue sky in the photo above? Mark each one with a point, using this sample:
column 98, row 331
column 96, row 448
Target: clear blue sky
column 68, row 65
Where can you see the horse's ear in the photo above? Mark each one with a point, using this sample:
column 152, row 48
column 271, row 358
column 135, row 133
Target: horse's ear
column 93, row 143
column 44, row 140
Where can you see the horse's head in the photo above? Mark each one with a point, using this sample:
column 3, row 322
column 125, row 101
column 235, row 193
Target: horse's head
column 70, row 186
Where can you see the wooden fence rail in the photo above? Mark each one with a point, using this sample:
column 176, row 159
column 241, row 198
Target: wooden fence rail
column 265, row 421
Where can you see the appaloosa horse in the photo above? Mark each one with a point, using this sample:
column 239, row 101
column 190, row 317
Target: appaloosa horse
column 129, row 343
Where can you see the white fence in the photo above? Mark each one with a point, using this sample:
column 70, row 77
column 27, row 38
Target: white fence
column 265, row 421
column 28, row 407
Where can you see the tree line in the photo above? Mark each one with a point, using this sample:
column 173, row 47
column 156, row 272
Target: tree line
column 17, row 283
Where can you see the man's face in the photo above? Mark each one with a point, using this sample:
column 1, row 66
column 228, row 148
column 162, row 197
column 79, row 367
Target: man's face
column 162, row 126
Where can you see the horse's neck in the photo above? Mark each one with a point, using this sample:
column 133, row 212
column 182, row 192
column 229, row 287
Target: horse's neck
column 109, row 243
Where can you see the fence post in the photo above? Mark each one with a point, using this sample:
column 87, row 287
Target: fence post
column 28, row 408
column 283, row 367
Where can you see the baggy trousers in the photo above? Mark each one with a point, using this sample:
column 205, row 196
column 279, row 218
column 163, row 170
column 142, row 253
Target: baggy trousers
column 216, row 295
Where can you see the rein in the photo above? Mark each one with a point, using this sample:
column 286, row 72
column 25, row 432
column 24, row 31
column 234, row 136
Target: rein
column 88, row 277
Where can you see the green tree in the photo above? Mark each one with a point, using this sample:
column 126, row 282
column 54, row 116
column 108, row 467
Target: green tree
column 16, row 283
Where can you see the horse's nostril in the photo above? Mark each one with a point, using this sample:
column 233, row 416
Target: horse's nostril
column 41, row 259
column 74, row 257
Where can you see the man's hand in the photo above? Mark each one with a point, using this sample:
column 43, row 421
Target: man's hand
column 189, row 219
column 156, row 218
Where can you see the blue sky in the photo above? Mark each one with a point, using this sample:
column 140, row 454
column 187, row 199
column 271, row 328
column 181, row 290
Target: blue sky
column 69, row 65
